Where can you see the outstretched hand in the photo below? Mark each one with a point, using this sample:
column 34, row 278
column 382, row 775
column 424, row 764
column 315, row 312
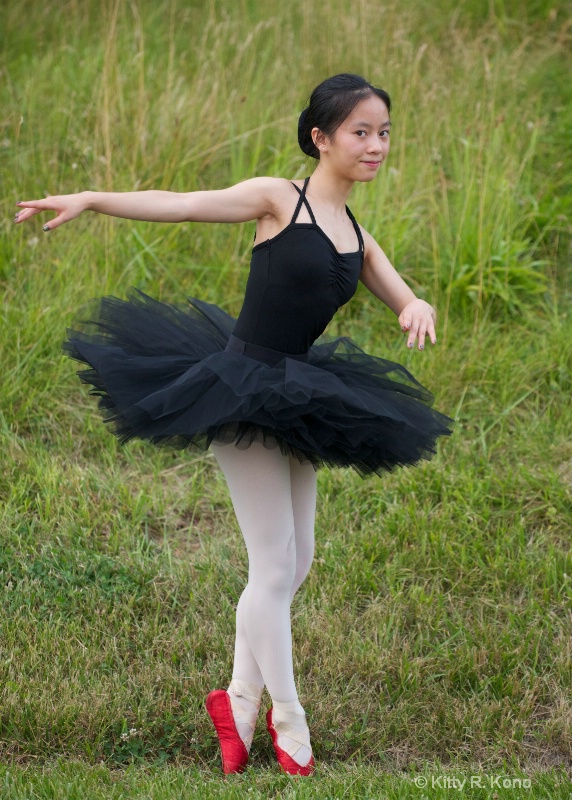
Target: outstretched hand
column 418, row 318
column 68, row 207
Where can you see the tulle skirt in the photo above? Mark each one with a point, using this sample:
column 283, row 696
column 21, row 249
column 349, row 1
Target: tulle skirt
column 177, row 376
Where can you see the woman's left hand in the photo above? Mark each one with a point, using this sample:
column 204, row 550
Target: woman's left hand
column 418, row 318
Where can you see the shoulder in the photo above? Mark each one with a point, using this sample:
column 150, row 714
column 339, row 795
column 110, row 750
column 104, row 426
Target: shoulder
column 269, row 185
column 367, row 237
column 372, row 249
column 278, row 193
column 280, row 187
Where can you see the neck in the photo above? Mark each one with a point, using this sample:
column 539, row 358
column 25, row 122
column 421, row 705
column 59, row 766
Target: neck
column 330, row 190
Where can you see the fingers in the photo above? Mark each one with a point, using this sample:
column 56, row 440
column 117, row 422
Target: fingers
column 29, row 208
column 25, row 212
column 431, row 330
column 412, row 325
column 54, row 223
column 34, row 206
column 418, row 328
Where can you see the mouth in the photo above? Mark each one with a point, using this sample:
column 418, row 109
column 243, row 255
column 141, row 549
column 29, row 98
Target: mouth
column 372, row 163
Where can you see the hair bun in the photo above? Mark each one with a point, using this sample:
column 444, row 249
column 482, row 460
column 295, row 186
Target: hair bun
column 305, row 141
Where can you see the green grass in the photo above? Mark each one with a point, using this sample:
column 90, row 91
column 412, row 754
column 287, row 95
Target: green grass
column 75, row 781
column 432, row 636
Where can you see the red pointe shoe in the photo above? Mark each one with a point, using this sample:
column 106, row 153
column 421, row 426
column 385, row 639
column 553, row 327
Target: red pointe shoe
column 233, row 751
column 284, row 759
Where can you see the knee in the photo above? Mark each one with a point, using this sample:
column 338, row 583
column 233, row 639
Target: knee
column 275, row 578
column 275, row 570
column 303, row 564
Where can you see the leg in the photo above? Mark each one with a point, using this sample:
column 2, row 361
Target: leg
column 274, row 501
column 259, row 485
column 290, row 725
column 303, row 494
column 303, row 481
column 245, row 666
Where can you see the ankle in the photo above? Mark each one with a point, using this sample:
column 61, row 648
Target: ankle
column 245, row 702
column 292, row 732
column 292, row 712
column 249, row 691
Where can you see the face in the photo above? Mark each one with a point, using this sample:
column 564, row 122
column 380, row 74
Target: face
column 361, row 143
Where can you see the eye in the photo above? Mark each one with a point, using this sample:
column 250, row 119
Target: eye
column 359, row 133
column 385, row 134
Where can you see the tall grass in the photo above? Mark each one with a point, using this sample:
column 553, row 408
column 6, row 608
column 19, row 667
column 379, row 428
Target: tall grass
column 434, row 628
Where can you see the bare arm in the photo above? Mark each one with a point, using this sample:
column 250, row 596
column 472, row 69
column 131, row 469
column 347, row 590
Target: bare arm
column 242, row 202
column 382, row 280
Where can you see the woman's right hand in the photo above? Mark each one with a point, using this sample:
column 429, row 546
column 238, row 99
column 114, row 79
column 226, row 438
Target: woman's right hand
column 68, row 207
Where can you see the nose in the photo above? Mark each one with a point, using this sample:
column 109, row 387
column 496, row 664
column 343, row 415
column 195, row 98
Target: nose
column 375, row 145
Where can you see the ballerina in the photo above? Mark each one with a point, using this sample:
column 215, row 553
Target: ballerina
column 271, row 402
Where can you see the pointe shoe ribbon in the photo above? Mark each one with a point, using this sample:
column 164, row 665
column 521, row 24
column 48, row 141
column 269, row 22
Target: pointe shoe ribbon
column 244, row 714
column 299, row 738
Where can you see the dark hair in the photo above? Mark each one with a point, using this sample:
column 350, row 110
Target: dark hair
column 330, row 103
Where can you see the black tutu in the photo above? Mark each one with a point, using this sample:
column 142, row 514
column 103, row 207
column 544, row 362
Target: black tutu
column 164, row 373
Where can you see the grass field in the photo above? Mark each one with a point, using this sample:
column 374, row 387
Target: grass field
column 433, row 636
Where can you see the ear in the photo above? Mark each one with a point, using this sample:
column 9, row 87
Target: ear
column 320, row 139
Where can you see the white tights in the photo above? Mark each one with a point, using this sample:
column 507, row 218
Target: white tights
column 274, row 498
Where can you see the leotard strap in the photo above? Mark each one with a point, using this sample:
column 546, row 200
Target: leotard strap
column 302, row 199
column 357, row 230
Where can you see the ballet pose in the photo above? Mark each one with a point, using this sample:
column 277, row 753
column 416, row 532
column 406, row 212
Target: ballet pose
column 270, row 399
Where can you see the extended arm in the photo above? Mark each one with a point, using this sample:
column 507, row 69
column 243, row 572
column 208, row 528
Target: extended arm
column 382, row 280
column 245, row 201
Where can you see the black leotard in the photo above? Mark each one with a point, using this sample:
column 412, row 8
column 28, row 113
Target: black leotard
column 297, row 282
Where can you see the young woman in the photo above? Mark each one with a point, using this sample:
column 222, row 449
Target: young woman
column 270, row 403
